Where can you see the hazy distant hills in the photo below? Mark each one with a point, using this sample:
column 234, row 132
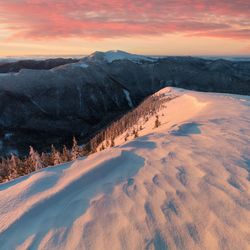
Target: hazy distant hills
column 80, row 97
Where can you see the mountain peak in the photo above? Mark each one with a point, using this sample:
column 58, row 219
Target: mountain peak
column 114, row 55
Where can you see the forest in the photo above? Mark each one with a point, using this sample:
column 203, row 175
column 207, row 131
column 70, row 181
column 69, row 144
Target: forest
column 130, row 124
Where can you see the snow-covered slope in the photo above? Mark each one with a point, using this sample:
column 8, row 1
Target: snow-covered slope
column 114, row 55
column 184, row 185
column 106, row 57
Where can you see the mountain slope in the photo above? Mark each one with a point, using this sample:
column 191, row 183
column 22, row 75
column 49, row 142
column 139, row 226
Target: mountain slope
column 78, row 99
column 183, row 185
column 7, row 67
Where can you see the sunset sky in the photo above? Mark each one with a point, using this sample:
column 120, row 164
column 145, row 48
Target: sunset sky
column 156, row 27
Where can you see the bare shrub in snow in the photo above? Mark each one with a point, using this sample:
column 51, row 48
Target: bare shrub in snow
column 157, row 122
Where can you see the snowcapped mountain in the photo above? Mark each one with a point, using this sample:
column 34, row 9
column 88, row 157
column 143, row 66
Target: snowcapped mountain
column 181, row 185
column 114, row 55
column 80, row 98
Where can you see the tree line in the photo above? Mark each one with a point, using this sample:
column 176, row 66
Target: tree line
column 14, row 166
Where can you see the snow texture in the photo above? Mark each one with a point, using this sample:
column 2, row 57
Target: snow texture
column 127, row 95
column 184, row 185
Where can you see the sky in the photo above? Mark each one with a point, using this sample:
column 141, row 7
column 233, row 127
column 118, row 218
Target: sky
column 150, row 27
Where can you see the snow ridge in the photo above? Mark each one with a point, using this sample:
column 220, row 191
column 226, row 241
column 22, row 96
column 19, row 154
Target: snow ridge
column 146, row 193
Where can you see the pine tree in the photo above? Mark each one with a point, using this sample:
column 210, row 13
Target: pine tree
column 4, row 170
column 45, row 158
column 53, row 156
column 13, row 161
column 28, row 165
column 35, row 159
column 65, row 154
column 157, row 122
column 102, row 147
column 136, row 134
column 112, row 144
column 5, row 173
column 75, row 151
column 83, row 151
column 126, row 137
column 57, row 158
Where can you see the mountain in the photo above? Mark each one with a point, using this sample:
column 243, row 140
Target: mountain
column 41, row 107
column 182, row 185
column 114, row 55
column 16, row 66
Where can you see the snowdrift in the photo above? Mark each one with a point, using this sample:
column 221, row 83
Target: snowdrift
column 183, row 185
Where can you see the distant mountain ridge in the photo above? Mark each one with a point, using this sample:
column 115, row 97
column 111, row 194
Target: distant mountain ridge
column 7, row 67
column 80, row 98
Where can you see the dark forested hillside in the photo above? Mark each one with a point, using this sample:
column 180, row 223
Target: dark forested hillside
column 44, row 107
column 7, row 67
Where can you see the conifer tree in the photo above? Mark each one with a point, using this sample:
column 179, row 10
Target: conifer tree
column 53, row 155
column 45, row 158
column 126, row 137
column 135, row 134
column 75, row 151
column 65, row 154
column 112, row 144
column 57, row 158
column 35, row 159
column 102, row 147
column 4, row 171
column 157, row 122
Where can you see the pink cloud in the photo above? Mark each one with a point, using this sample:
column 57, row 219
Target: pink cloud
column 39, row 19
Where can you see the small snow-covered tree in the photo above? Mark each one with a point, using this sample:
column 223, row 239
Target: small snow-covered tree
column 65, row 154
column 57, row 158
column 157, row 122
column 75, row 151
column 13, row 161
column 136, row 134
column 4, row 170
column 112, row 143
column 126, row 137
column 53, row 155
column 102, row 147
column 45, row 158
column 35, row 159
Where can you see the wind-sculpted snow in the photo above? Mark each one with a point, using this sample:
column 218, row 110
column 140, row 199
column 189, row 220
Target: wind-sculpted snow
column 183, row 185
column 68, row 189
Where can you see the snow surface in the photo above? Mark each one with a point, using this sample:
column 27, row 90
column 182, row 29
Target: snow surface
column 128, row 98
column 79, row 64
column 184, row 185
column 4, row 74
